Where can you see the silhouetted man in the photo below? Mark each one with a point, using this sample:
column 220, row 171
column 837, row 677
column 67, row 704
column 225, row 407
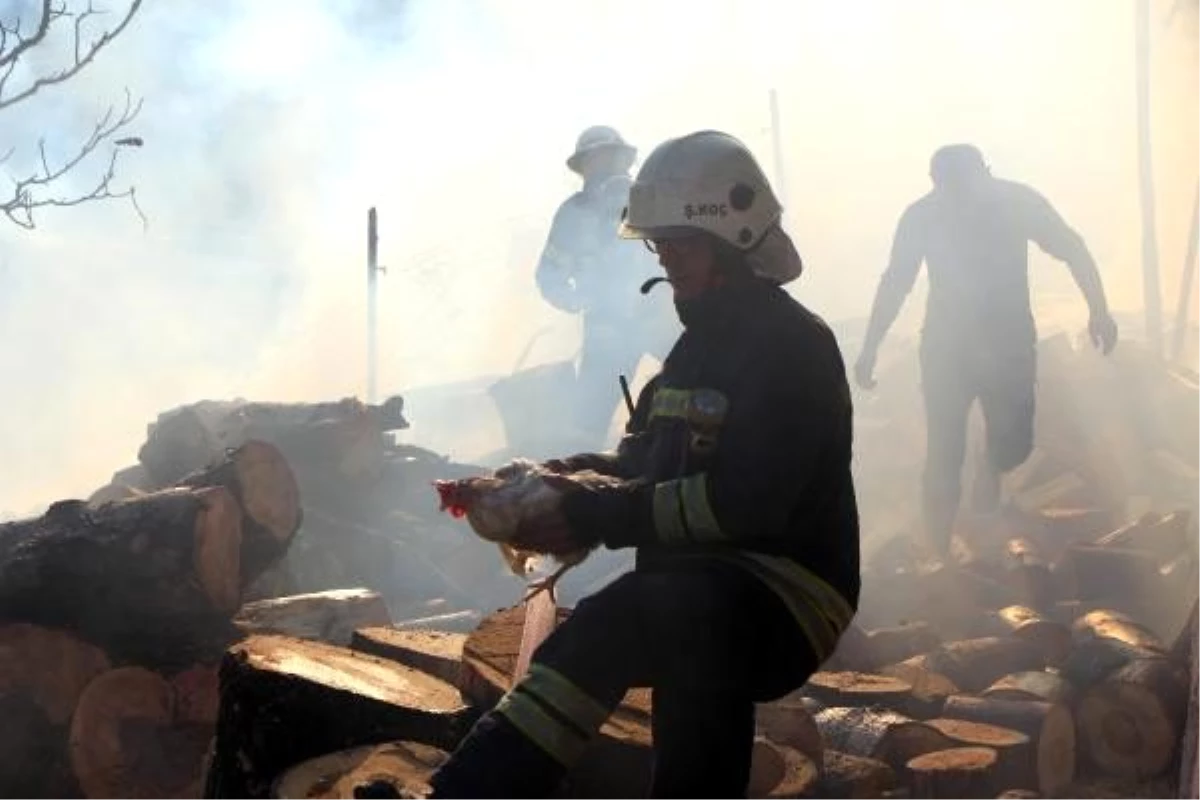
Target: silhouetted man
column 979, row 339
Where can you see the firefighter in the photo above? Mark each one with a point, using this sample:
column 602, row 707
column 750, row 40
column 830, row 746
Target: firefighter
column 586, row 269
column 972, row 231
column 736, row 493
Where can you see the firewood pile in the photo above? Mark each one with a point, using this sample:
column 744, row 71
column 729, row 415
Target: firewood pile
column 270, row 605
column 114, row 618
column 1038, row 708
column 369, row 515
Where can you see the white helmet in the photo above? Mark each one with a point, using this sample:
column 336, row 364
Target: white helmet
column 709, row 181
column 601, row 137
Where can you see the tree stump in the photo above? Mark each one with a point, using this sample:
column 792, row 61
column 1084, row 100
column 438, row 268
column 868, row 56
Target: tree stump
column 435, row 652
column 287, row 700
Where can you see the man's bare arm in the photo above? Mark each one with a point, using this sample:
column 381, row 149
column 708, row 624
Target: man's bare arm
column 908, row 251
column 1058, row 239
column 1051, row 233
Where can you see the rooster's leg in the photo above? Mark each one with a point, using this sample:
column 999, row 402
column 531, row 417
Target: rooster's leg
column 546, row 584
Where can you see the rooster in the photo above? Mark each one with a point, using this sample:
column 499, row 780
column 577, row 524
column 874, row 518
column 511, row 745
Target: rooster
column 495, row 505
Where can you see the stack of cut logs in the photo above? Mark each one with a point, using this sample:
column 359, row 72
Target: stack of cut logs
column 1038, row 668
column 370, row 518
column 113, row 619
column 1057, row 658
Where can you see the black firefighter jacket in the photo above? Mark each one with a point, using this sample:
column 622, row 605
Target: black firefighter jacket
column 739, row 450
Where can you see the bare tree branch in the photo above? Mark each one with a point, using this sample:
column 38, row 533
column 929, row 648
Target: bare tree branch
column 81, row 57
column 34, row 191
column 39, row 188
column 48, row 15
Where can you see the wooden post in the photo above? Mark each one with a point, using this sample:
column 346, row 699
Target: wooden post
column 372, row 289
column 1150, row 279
column 1183, row 310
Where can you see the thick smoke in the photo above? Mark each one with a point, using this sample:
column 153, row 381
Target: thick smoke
column 270, row 127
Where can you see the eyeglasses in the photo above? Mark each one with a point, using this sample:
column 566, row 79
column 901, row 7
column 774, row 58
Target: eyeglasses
column 681, row 245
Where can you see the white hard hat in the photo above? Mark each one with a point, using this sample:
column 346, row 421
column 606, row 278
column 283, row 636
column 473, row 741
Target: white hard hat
column 601, row 137
column 709, row 181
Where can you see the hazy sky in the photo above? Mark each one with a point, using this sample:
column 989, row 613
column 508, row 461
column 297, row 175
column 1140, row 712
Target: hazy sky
column 271, row 126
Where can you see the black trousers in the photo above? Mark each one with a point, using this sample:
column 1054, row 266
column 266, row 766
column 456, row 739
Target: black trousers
column 707, row 638
column 1004, row 384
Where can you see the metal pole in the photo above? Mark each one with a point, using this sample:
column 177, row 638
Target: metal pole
column 777, row 143
column 372, row 285
column 1152, row 296
column 1183, row 310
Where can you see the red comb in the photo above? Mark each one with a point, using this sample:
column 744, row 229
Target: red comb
column 450, row 496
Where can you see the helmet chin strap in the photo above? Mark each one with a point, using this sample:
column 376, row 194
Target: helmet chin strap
column 651, row 283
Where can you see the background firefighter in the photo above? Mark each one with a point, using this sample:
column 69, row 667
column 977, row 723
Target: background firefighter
column 736, row 492
column 586, row 269
column 979, row 338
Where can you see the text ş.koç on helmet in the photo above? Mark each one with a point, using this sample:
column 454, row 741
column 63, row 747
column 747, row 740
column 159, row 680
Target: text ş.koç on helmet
column 709, row 181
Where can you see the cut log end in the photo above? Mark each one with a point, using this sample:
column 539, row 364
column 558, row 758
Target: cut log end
column 789, row 722
column 1131, row 722
column 847, row 775
column 322, row 664
column 218, row 546
column 857, row 688
column 436, row 652
column 123, row 740
column 269, row 491
column 403, row 768
column 1050, row 727
column 51, row 666
column 957, row 772
column 979, row 733
column 335, row 699
column 967, row 759
column 780, row 771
